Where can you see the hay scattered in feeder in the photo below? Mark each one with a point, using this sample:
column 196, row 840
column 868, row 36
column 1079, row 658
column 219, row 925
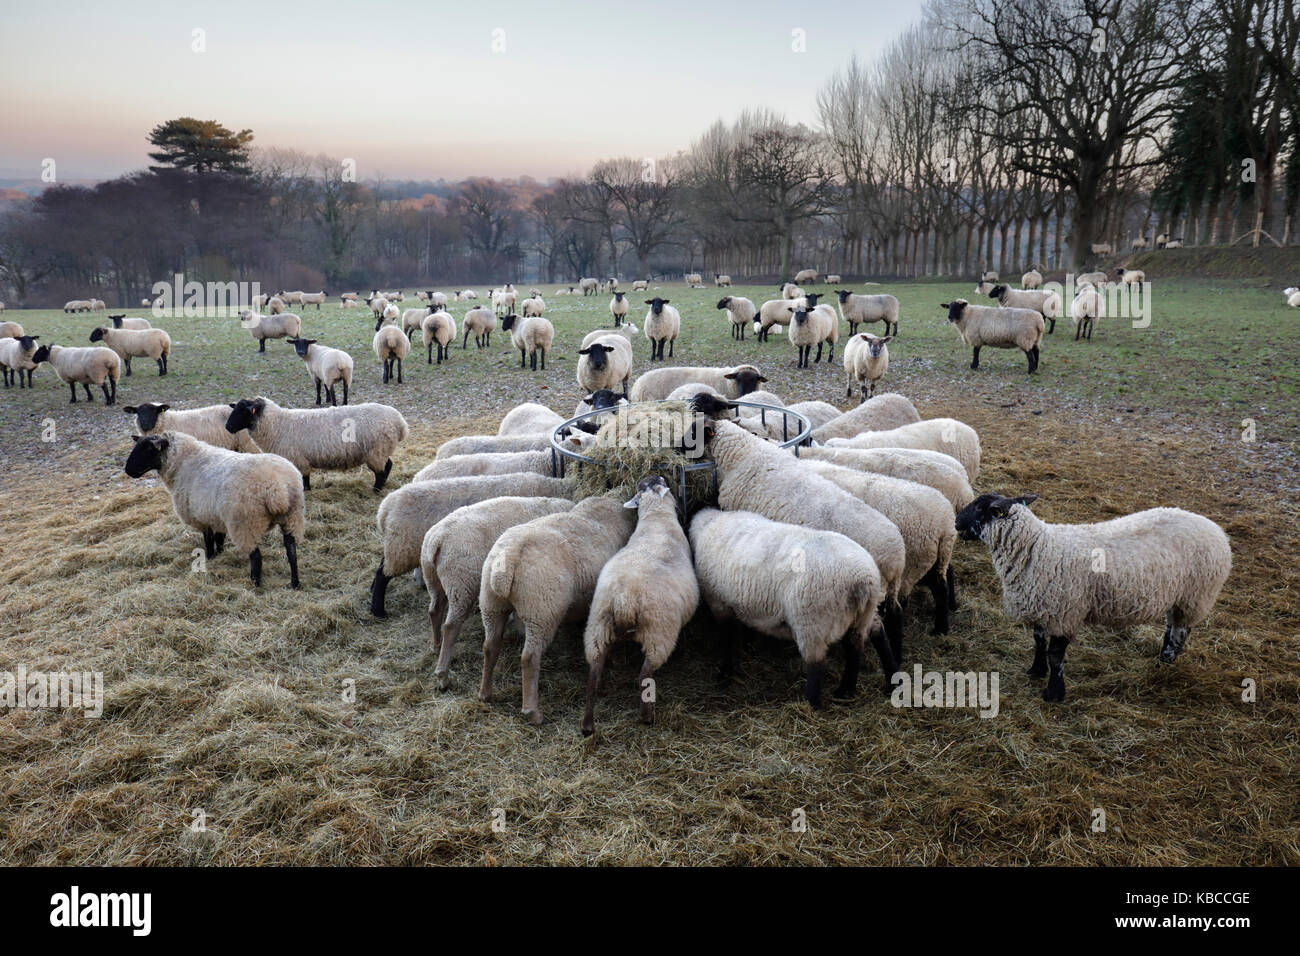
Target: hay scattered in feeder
column 644, row 439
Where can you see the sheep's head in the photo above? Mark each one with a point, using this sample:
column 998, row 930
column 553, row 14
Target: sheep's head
column 724, row 302
column 812, row 297
column 117, row 320
column 843, row 294
column 603, row 398
column 42, row 354
column 956, row 309
column 875, row 343
column 97, row 335
column 27, row 342
column 146, row 414
column 986, row 509
column 596, row 354
column 302, row 345
column 998, row 291
column 618, row 296
column 656, row 305
column 648, row 489
column 746, row 377
column 800, row 315
column 714, row 406
column 508, row 322
column 147, row 455
column 244, row 414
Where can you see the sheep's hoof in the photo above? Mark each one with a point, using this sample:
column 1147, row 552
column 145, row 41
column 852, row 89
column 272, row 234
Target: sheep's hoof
column 444, row 679
column 1055, row 690
column 534, row 717
column 1037, row 670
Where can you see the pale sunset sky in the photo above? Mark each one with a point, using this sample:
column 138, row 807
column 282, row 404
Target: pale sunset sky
column 414, row 89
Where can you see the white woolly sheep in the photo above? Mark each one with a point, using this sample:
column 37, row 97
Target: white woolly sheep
column 437, row 300
column 1160, row 564
column 805, row 276
column 503, row 301
column 941, row 472
column 223, row 493
column 131, row 343
column 832, row 279
column 866, row 359
column 207, row 424
column 263, row 327
column 790, row 291
column 1033, row 279
column 391, row 316
column 1088, row 306
column 604, row 363
column 859, row 309
column 945, row 435
column 641, row 285
column 741, row 312
column 1292, row 297
column 482, row 444
column 1048, row 303
column 694, row 280
column 533, row 306
column 324, row 439
column 439, row 329
column 1138, row 244
column 275, row 305
column 589, row 285
column 11, row 330
column 646, row 592
column 786, row 580
column 530, row 418
column 291, row 298
column 313, row 298
column 128, row 322
column 531, row 335
column 327, row 367
column 19, row 358
column 545, row 572
column 537, row 461
column 618, row 308
column 87, row 367
column 889, row 410
column 1101, row 249
column 1091, row 278
column 413, row 320
column 719, row 281
column 998, row 327
column 733, row 381
column 1132, row 276
column 818, row 413
column 663, row 323
column 479, row 322
column 391, row 347
column 773, row 312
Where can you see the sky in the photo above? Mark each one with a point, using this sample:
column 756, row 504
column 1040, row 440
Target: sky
column 415, row 90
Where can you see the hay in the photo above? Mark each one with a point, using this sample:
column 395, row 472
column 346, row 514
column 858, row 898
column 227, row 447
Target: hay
column 644, row 439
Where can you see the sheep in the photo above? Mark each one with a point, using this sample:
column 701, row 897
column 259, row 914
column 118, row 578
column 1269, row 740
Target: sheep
column 537, row 461
column 348, row 297
column 257, row 302
column 1292, row 297
column 1033, row 279
column 480, row 322
column 413, row 320
column 323, row 439
column 503, row 302
column 87, row 367
column 818, row 413
column 937, row 434
column 755, row 475
column 832, row 279
column 588, row 285
column 390, row 316
column 98, row 305
column 733, row 381
column 1090, row 278
column 207, row 424
column 312, row 298
column 618, row 308
column 1139, row 243
column 641, row 285
column 1132, row 276
column 1048, row 303
column 611, row 284
column 806, row 329
column 531, row 335
column 480, row 444
column 466, row 295
column 601, row 398
column 787, row 580
column 694, row 280
column 378, row 305
column 451, row 562
column 19, row 357
column 439, row 329
column 275, row 305
column 291, row 298
column 438, row 300
column 777, row 312
column 77, row 305
column 1001, row 328
column 806, row 277
column 1088, row 306
column 866, row 359
column 563, row 291
column 646, row 592
column 128, row 343
column 719, row 281
column 11, row 330
column 941, row 472
column 859, row 309
column 1101, row 249
column 391, row 347
column 604, row 363
column 396, row 296
column 790, row 291
column 741, row 311
column 529, row 418
column 263, row 327
column 545, row 572
column 662, row 324
column 220, row 492
column 922, row 515
column 123, row 322
column 1162, row 563
column 1174, row 243
column 327, row 367
column 533, row 307
column 876, row 414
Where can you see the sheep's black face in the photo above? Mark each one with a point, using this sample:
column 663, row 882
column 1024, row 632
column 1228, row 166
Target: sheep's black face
column 997, row 292
column 27, row 342
column 96, row 335
column 747, row 379
column 508, row 322
column 596, row 355
column 243, row 414
column 117, row 320
column 602, row 398
column 724, row 302
column 955, row 309
column 656, row 305
column 843, row 294
column 801, row 316
column 812, row 298
column 42, row 354
column 146, row 456
column 876, row 345
column 984, row 510
column 301, row 345
column 618, row 296
column 146, row 415
column 706, row 403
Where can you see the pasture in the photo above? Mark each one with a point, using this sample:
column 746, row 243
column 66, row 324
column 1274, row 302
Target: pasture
column 232, row 702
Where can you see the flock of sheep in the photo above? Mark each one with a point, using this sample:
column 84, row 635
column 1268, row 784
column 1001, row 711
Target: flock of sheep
column 825, row 543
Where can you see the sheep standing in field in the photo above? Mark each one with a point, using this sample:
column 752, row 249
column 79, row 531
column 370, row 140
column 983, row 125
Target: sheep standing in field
column 1292, row 297
column 479, row 322
column 1090, row 278
column 531, row 335
column 860, row 309
column 1138, row 244
column 76, row 305
column 1101, row 249
column 734, row 381
column 1132, row 276
column 646, row 592
column 1033, row 279
column 605, row 363
column 124, row 322
column 808, row 328
column 1087, row 307
column 618, row 308
column 532, row 307
column 876, row 414
column 207, row 424
column 11, row 330
column 313, row 298
column 439, row 329
column 19, row 357
column 694, row 280
column 438, row 300
column 275, row 305
column 1001, row 328
column 412, row 321
column 588, row 285
column 1048, row 303
column 778, row 312
column 451, row 562
column 128, row 343
column 327, row 366
column 790, row 291
column 641, row 285
column 720, row 281
column 391, row 347
column 945, row 435
column 741, row 311
column 503, row 301
column 221, row 492
column 832, row 279
column 787, row 580
column 291, row 298
column 545, row 572
column 830, row 323
column 85, row 366
column 378, row 305
column 391, row 315
column 263, row 327
column 323, row 439
column 1160, row 564
column 866, row 359
column 662, row 324
column 806, row 277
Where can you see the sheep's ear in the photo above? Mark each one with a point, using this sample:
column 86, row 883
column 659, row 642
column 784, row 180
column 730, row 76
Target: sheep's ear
column 730, row 375
column 130, row 410
column 762, row 379
column 586, row 351
column 633, row 502
column 1025, row 500
column 649, row 301
column 135, row 437
column 887, row 338
column 232, row 404
column 943, row 305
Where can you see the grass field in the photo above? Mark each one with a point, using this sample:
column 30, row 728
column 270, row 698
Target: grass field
column 230, row 702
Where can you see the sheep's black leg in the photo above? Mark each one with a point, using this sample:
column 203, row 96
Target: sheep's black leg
column 465, row 343
column 848, row 686
column 893, row 619
column 162, row 370
column 306, row 482
column 1039, row 667
column 5, row 370
column 128, row 367
column 487, row 339
column 219, row 541
column 429, row 354
column 812, row 690
column 952, row 589
column 73, row 386
column 939, row 589
column 89, row 396
column 1078, row 330
column 1035, row 368
column 543, row 360
column 818, row 359
column 291, row 555
column 888, row 663
column 262, row 347
column 318, row 383
column 671, row 343
column 378, row 588
column 255, row 566
column 399, row 381
column 830, row 354
column 1051, row 325
column 1090, row 325
column 381, row 477
column 209, row 549
column 1056, row 664
column 522, row 355
column 975, row 357
column 345, row 391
